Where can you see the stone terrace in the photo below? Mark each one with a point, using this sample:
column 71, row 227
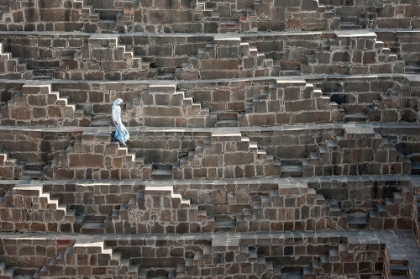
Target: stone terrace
column 272, row 139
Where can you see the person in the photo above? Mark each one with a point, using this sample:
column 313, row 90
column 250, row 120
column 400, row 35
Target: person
column 121, row 133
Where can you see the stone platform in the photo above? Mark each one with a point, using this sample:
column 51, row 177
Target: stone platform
column 266, row 255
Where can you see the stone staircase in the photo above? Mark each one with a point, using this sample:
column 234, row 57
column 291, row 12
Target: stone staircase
column 405, row 47
column 164, row 106
column 81, row 254
column 102, row 223
column 34, row 210
column 276, row 208
column 249, row 160
column 10, row 273
column 217, row 23
column 158, row 197
column 367, row 55
column 392, row 105
column 231, row 57
column 37, row 104
column 390, row 212
column 338, row 258
column 247, row 256
column 334, row 157
column 86, row 159
column 112, row 19
column 174, row 212
column 12, row 68
column 10, row 168
column 289, row 101
column 287, row 148
column 112, row 61
column 273, row 103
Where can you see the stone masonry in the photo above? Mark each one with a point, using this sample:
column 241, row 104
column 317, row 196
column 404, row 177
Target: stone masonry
column 269, row 139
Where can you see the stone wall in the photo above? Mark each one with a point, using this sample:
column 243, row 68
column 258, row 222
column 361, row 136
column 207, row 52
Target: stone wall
column 204, row 17
column 163, row 57
column 218, row 206
column 38, row 105
column 282, row 152
column 252, row 102
column 336, row 253
column 272, row 139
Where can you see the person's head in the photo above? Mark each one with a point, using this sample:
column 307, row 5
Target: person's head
column 118, row 102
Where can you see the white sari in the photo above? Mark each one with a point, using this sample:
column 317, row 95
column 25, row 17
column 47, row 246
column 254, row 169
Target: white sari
column 121, row 133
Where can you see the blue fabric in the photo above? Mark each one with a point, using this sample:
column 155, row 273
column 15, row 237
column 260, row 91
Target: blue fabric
column 121, row 133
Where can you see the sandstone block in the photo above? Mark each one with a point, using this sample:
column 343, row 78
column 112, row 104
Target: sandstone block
column 77, row 160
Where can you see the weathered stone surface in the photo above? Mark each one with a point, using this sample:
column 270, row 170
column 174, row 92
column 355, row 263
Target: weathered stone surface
column 215, row 120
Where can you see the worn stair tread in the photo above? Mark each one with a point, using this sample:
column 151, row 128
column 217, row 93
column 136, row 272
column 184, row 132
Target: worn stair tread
column 160, row 171
column 292, row 275
column 227, row 123
column 399, row 267
column 100, row 122
column 142, row 274
column 355, row 115
column 291, row 168
column 225, row 223
column 357, row 219
column 32, row 172
column 93, row 226
column 9, row 272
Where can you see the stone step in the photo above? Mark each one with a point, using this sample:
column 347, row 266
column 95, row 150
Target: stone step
column 316, row 267
column 162, row 171
column 381, row 211
column 166, row 76
column 223, row 223
column 252, row 252
column 349, row 25
column 333, row 255
column 415, row 168
column 307, row 273
column 292, row 275
column 314, row 158
column 9, row 273
column 180, row 270
column 248, row 214
column 355, row 117
column 156, row 274
column 101, row 122
column 265, row 202
column 22, row 277
column 399, row 270
column 291, row 171
column 93, row 228
column 226, row 115
column 331, row 145
column 378, row 105
column 290, row 72
column 227, row 123
column 42, row 77
column 334, row 209
column 412, row 69
column 357, row 221
column 324, row 154
column 226, row 136
column 32, row 174
column 397, row 197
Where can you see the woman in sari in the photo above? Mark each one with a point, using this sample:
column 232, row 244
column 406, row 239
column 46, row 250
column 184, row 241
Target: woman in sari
column 121, row 133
